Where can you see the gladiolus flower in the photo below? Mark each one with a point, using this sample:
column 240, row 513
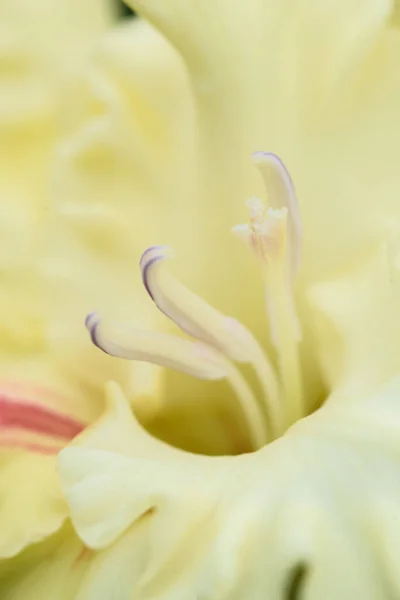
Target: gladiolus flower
column 164, row 154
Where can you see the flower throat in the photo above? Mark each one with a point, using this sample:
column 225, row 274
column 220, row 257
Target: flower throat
column 216, row 341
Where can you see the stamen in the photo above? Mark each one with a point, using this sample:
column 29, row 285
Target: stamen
column 162, row 349
column 267, row 237
column 251, row 410
column 265, row 373
column 285, row 336
column 195, row 358
column 257, row 211
column 152, row 255
column 190, row 312
column 200, row 320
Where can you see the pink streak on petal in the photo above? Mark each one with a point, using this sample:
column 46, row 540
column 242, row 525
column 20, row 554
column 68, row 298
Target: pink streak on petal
column 19, row 414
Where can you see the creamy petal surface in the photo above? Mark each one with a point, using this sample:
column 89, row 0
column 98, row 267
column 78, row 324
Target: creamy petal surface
column 222, row 527
column 41, row 52
column 319, row 84
column 357, row 325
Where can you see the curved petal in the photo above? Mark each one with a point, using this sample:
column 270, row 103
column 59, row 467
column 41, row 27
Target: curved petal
column 35, row 424
column 84, row 476
column 50, row 569
column 206, row 522
column 62, row 568
column 357, row 324
column 37, row 74
column 36, row 69
column 31, row 503
column 135, row 119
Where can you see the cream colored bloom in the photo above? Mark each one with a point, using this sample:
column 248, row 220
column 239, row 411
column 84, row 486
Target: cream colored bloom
column 313, row 512
column 316, row 83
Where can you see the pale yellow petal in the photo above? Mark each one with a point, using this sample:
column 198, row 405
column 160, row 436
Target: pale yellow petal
column 40, row 50
column 396, row 13
column 62, row 568
column 129, row 145
column 318, row 505
column 52, row 569
column 357, row 325
column 100, row 460
column 104, row 207
column 117, row 430
column 112, row 448
column 41, row 53
column 35, row 423
column 318, row 85
column 31, row 504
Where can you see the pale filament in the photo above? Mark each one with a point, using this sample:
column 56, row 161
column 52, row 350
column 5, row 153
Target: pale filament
column 280, row 313
column 256, row 421
column 270, row 386
column 271, row 401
